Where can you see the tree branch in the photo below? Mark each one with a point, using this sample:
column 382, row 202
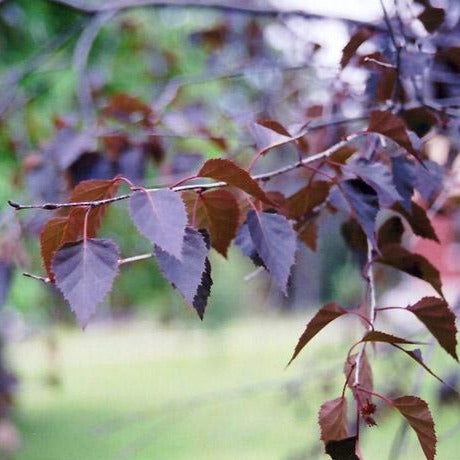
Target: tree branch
column 227, row 6
column 202, row 186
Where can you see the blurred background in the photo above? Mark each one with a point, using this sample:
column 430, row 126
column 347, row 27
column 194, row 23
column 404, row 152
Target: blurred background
column 167, row 88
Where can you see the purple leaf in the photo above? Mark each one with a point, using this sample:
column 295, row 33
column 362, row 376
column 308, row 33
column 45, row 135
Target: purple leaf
column 161, row 217
column 379, row 177
column 191, row 275
column 84, row 273
column 275, row 241
column 404, row 179
column 364, row 203
column 244, row 242
column 429, row 179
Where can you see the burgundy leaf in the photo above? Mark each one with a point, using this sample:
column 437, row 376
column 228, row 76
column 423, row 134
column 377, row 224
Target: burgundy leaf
column 190, row 275
column 275, row 241
column 345, row 449
column 435, row 314
column 393, row 127
column 418, row 220
column 308, row 234
column 307, row 198
column 269, row 134
column 416, row 265
column 417, row 413
column 322, row 318
column 364, row 203
column 420, row 120
column 161, row 217
column 222, row 212
column 356, row 40
column 379, row 336
column 84, row 273
column 333, row 420
column 229, row 172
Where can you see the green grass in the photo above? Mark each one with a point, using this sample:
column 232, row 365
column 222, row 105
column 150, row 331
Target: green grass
column 140, row 391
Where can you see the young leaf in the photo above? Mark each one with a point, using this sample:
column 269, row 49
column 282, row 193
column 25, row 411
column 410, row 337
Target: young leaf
column 223, row 215
column 275, row 241
column 333, row 420
column 269, row 134
column 227, row 171
column 161, row 217
column 435, row 314
column 417, row 413
column 393, row 127
column 364, row 202
column 356, row 40
column 418, row 220
column 84, row 273
column 416, row 265
column 379, row 336
column 190, row 275
column 322, row 318
column 345, row 449
column 88, row 190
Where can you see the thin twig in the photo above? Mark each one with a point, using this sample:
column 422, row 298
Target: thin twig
column 43, row 279
column 202, row 186
column 80, row 61
column 129, row 260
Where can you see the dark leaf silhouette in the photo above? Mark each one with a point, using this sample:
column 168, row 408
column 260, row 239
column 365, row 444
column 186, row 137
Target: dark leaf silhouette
column 84, row 273
column 418, row 220
column 416, row 265
column 190, row 275
column 393, row 127
column 417, row 413
column 322, row 318
column 354, row 237
column 432, row 18
column 390, row 232
column 229, row 172
column 420, row 120
column 363, row 201
column 345, row 449
column 435, row 314
column 333, row 420
column 269, row 134
column 356, row 40
column 275, row 241
column 379, row 336
column 161, row 217
column 404, row 179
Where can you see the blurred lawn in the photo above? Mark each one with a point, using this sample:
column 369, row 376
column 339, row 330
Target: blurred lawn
column 141, row 391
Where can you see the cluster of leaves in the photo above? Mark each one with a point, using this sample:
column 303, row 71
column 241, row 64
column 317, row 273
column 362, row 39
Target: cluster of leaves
column 381, row 180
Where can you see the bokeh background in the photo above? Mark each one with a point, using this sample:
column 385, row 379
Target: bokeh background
column 147, row 379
